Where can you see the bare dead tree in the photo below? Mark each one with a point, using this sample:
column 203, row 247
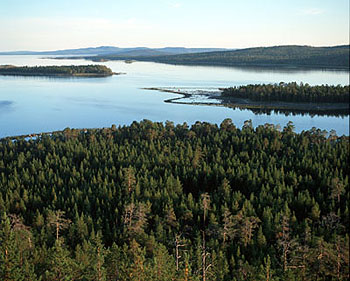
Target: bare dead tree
column 285, row 242
column 22, row 233
column 341, row 257
column 17, row 225
column 129, row 214
column 135, row 217
column 247, row 228
column 229, row 229
column 239, row 225
column 178, row 244
column 338, row 189
column 330, row 221
column 205, row 198
column 205, row 201
column 267, row 268
column 57, row 220
column 299, row 259
column 205, row 266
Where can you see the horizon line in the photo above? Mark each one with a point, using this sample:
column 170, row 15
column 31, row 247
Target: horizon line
column 167, row 46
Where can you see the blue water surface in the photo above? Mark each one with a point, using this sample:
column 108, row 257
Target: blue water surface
column 43, row 104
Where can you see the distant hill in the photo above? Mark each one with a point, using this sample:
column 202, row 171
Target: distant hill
column 168, row 51
column 83, row 51
column 278, row 56
column 110, row 50
column 182, row 50
column 143, row 52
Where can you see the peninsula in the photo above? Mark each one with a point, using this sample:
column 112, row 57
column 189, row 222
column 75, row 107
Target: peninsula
column 287, row 98
column 58, row 71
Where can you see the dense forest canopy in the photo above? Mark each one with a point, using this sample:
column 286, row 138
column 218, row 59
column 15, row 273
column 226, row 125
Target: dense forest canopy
column 290, row 92
column 278, row 56
column 154, row 201
column 68, row 70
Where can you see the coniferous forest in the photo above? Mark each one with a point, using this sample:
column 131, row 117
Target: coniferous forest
column 291, row 92
column 154, row 201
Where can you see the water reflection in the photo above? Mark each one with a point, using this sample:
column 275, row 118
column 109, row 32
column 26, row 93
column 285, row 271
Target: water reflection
column 342, row 113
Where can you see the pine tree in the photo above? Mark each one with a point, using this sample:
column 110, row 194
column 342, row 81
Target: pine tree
column 61, row 265
column 162, row 265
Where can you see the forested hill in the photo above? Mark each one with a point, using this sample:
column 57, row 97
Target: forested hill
column 154, row 201
column 279, row 56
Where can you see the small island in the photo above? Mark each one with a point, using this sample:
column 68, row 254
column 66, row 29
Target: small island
column 58, row 71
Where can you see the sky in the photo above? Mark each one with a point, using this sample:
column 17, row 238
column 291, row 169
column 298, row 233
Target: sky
column 64, row 24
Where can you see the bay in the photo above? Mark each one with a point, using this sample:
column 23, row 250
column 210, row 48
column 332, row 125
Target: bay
column 43, row 104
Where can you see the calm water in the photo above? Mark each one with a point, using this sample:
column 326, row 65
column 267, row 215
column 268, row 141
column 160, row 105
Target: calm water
column 37, row 104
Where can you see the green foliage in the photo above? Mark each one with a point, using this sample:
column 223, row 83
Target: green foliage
column 148, row 201
column 290, row 92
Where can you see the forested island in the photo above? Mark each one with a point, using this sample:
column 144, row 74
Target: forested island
column 336, row 57
column 60, row 71
column 154, row 201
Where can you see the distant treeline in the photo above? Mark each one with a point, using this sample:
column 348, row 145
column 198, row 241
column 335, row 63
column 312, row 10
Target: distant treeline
column 290, row 92
column 69, row 70
column 278, row 56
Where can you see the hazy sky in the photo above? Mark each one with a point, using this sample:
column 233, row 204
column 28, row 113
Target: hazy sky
column 61, row 24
